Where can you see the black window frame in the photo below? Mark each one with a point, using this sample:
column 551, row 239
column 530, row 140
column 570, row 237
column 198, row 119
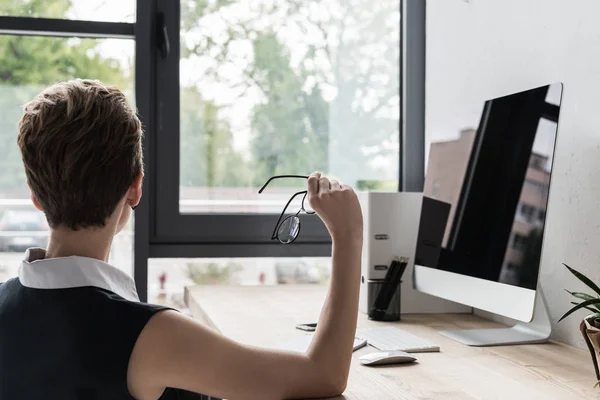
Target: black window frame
column 143, row 32
column 172, row 234
column 159, row 229
column 162, row 232
column 205, row 235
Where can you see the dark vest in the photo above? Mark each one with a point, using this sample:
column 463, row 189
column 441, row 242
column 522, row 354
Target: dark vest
column 72, row 343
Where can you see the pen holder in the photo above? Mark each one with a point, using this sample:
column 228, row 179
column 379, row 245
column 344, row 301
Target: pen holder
column 392, row 313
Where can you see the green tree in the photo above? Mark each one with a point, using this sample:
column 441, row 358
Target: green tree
column 364, row 58
column 301, row 51
column 208, row 158
column 29, row 64
column 290, row 128
column 35, row 8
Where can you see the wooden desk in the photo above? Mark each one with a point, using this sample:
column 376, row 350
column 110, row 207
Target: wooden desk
column 267, row 315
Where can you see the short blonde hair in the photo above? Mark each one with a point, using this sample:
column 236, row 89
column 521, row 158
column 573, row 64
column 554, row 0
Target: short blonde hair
column 81, row 144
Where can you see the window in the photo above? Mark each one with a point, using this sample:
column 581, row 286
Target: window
column 167, row 278
column 270, row 88
column 235, row 92
column 526, row 211
column 87, row 10
column 537, row 187
column 519, row 242
column 29, row 65
column 252, row 89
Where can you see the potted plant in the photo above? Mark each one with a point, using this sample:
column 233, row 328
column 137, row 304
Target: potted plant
column 590, row 326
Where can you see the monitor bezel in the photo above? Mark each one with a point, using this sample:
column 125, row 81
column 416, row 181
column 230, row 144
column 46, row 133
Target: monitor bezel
column 503, row 299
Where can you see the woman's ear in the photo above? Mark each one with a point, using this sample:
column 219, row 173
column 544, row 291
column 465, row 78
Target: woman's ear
column 135, row 191
column 35, row 201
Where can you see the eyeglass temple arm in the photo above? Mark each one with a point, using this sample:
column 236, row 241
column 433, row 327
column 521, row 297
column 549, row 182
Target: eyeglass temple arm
column 281, row 176
column 274, row 235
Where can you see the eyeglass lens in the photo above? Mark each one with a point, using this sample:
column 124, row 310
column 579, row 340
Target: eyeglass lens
column 289, row 229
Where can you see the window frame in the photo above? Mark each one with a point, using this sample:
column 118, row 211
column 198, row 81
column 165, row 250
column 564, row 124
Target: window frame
column 204, row 235
column 32, row 26
column 412, row 95
column 156, row 232
column 210, row 235
column 142, row 32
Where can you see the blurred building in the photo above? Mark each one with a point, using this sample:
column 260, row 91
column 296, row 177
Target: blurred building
column 526, row 238
column 445, row 175
column 446, row 172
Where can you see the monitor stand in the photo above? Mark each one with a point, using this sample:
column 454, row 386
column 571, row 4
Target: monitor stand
column 536, row 331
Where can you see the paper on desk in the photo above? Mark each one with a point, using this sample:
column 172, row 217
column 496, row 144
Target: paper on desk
column 300, row 343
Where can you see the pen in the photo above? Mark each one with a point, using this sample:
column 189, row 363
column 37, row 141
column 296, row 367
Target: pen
column 388, row 288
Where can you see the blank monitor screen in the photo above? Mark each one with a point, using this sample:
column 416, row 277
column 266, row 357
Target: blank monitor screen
column 486, row 191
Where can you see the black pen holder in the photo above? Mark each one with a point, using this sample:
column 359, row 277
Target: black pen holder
column 392, row 313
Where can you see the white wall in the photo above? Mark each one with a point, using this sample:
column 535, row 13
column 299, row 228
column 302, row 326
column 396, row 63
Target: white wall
column 481, row 49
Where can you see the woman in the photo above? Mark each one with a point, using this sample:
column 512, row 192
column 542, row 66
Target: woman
column 71, row 325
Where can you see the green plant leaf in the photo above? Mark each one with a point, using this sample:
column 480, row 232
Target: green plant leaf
column 580, row 306
column 597, row 384
column 587, row 308
column 582, row 296
column 584, row 279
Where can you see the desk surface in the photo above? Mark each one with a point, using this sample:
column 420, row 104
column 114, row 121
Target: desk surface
column 267, row 315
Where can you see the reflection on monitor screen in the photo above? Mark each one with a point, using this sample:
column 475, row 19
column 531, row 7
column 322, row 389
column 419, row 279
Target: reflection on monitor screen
column 486, row 191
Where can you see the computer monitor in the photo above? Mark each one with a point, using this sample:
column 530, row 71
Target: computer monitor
column 484, row 209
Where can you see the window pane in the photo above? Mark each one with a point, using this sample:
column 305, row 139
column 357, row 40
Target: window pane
column 88, row 10
column 286, row 87
column 30, row 64
column 167, row 278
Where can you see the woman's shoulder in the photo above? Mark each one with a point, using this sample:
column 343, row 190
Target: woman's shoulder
column 9, row 287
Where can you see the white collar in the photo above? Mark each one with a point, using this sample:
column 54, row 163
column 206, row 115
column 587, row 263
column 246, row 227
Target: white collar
column 38, row 272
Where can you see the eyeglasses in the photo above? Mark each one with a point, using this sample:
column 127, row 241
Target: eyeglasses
column 287, row 229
